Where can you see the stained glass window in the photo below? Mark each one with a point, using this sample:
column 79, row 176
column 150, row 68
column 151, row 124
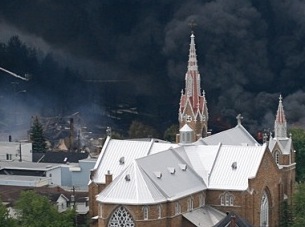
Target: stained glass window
column 264, row 216
column 121, row 218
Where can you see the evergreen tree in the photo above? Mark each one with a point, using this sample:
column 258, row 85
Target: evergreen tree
column 37, row 137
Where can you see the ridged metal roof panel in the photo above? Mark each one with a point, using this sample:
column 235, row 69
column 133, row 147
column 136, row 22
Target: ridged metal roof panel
column 183, row 181
column 234, row 166
column 118, row 154
column 202, row 158
column 234, row 136
column 132, row 186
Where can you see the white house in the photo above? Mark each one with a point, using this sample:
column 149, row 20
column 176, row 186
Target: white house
column 15, row 151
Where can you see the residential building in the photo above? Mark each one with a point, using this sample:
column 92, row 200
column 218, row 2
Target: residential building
column 15, row 151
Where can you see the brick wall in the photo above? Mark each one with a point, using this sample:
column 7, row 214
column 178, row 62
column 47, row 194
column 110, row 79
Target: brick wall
column 168, row 216
column 247, row 203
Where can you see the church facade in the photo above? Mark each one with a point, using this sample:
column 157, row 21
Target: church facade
column 201, row 180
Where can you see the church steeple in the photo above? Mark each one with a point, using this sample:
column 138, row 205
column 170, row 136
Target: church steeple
column 193, row 109
column 280, row 125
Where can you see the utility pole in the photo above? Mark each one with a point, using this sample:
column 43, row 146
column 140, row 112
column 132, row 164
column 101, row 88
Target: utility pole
column 74, row 204
column 20, row 157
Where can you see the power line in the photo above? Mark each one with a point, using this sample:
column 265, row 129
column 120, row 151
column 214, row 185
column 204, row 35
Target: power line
column 26, row 77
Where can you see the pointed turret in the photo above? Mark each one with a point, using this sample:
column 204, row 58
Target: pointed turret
column 193, row 108
column 280, row 125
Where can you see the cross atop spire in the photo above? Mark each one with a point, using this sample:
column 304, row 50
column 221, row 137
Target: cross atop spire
column 239, row 119
column 192, row 24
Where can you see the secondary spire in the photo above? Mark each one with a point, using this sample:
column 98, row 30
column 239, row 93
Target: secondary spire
column 280, row 125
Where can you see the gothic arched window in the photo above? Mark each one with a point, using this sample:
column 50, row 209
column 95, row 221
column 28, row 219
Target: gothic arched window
column 177, row 208
column 189, row 86
column 159, row 211
column 145, row 213
column 264, row 215
column 201, row 200
column 227, row 199
column 121, row 217
column 277, row 157
column 190, row 204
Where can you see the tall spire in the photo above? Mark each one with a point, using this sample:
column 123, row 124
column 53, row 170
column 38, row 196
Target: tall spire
column 192, row 77
column 280, row 125
column 192, row 63
column 193, row 109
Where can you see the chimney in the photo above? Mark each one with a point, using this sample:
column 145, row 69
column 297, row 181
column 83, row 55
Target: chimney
column 108, row 177
column 9, row 138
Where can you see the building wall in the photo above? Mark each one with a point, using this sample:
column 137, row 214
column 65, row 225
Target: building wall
column 66, row 179
column 13, row 149
column 247, row 203
column 288, row 171
column 55, row 175
column 80, row 178
column 168, row 218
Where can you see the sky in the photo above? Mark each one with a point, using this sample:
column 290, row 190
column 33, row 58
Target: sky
column 249, row 52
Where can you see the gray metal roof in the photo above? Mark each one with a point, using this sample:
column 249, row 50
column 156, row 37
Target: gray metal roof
column 285, row 144
column 149, row 180
column 116, row 155
column 234, row 166
column 234, row 136
column 155, row 172
column 201, row 158
column 29, row 165
column 206, row 216
column 132, row 186
column 178, row 179
column 214, row 164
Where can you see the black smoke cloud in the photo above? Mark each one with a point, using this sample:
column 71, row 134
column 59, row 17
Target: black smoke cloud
column 249, row 52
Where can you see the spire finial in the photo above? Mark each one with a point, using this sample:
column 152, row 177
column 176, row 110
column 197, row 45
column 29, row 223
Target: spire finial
column 192, row 24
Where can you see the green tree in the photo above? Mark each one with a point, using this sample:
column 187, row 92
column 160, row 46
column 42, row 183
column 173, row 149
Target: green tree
column 139, row 130
column 298, row 138
column 171, row 132
column 36, row 211
column 298, row 206
column 5, row 219
column 37, row 137
column 286, row 214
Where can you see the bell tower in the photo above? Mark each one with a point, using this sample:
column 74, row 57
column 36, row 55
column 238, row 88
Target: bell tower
column 193, row 109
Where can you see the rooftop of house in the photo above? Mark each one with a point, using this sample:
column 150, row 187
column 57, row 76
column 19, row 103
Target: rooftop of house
column 59, row 157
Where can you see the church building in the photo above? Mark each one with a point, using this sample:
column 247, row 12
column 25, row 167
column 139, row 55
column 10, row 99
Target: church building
column 224, row 179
